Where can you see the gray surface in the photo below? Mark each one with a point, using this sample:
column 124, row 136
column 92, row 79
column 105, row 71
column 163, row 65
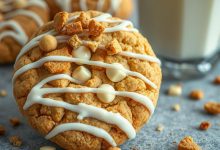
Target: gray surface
column 177, row 124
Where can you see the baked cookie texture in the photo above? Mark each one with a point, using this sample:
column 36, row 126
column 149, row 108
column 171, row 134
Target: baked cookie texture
column 93, row 86
column 118, row 8
column 19, row 19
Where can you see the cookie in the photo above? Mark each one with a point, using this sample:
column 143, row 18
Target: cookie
column 20, row 19
column 93, row 86
column 119, row 8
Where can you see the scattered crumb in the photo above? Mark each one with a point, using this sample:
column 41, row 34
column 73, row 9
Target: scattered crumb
column 15, row 122
column 47, row 148
column 187, row 143
column 15, row 141
column 212, row 108
column 2, row 130
column 217, row 80
column 175, row 90
column 176, row 107
column 205, row 125
column 114, row 148
column 3, row 93
column 196, row 95
column 160, row 128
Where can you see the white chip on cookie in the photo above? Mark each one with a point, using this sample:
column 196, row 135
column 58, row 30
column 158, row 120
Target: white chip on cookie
column 116, row 74
column 82, row 52
column 82, row 74
column 106, row 97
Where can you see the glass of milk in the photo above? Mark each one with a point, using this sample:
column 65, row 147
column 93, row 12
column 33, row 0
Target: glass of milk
column 184, row 33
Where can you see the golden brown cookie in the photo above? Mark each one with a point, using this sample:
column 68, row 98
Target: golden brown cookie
column 20, row 19
column 119, row 8
column 93, row 87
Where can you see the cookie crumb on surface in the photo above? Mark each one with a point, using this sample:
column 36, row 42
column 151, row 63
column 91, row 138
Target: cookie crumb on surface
column 2, row 130
column 3, row 93
column 217, row 80
column 160, row 128
column 196, row 95
column 175, row 90
column 47, row 148
column 176, row 107
column 205, row 125
column 212, row 108
column 15, row 141
column 15, row 122
column 114, row 148
column 187, row 143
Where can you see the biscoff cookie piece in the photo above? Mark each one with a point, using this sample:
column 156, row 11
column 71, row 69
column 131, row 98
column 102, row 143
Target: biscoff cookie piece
column 21, row 18
column 92, row 89
column 188, row 143
column 118, row 8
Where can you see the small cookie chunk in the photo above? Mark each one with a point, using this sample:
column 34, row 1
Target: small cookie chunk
column 95, row 28
column 217, row 80
column 3, row 93
column 196, row 95
column 205, row 125
column 47, row 148
column 212, row 108
column 74, row 42
column 15, row 122
column 15, row 141
column 2, row 130
column 60, row 20
column 113, row 47
column 72, row 28
column 176, row 107
column 160, row 128
column 187, row 143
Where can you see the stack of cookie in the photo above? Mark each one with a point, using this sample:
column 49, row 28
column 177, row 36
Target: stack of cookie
column 85, row 80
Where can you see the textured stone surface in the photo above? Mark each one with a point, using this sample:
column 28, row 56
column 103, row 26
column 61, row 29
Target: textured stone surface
column 177, row 124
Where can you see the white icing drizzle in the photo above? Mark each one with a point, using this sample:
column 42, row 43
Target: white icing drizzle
column 83, row 110
column 98, row 132
column 27, row 13
column 18, row 34
column 65, row 5
column 37, row 92
column 82, row 61
column 114, row 5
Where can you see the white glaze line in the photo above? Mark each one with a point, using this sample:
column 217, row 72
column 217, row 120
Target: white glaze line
column 82, row 61
column 18, row 34
column 135, row 96
column 98, row 132
column 27, row 13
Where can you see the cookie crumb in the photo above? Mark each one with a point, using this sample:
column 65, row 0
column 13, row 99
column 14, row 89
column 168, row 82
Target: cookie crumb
column 95, row 28
column 212, row 108
column 196, row 95
column 15, row 141
column 187, row 143
column 15, row 122
column 60, row 20
column 217, row 80
column 113, row 47
column 205, row 125
column 176, row 107
column 114, row 148
column 160, row 128
column 72, row 28
column 74, row 42
column 2, row 130
column 3, row 93
column 47, row 148
column 175, row 90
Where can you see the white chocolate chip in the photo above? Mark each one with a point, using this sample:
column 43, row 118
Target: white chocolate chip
column 115, row 74
column 47, row 148
column 81, row 73
column 82, row 52
column 106, row 97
